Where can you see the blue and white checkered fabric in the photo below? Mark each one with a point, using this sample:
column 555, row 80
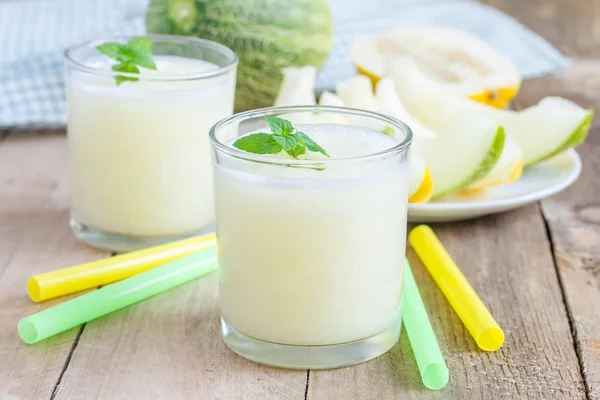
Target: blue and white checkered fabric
column 35, row 33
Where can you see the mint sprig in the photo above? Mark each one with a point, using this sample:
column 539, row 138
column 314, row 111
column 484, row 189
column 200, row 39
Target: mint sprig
column 283, row 137
column 135, row 53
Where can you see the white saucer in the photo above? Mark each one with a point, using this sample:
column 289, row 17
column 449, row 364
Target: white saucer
column 538, row 182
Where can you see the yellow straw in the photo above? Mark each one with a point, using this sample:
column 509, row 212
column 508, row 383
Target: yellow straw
column 457, row 290
column 85, row 276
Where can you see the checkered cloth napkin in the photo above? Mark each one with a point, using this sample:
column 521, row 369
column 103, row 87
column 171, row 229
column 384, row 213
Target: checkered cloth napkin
column 35, row 33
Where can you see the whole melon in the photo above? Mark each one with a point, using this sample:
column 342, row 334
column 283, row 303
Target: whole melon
column 267, row 35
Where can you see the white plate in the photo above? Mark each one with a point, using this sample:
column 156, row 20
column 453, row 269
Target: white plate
column 538, row 182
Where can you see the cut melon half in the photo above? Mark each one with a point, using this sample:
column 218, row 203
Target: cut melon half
column 541, row 131
column 462, row 155
column 459, row 61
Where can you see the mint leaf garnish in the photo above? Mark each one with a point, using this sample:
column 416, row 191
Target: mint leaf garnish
column 258, row 143
column 125, row 68
column 131, row 55
column 296, row 151
column 282, row 138
column 310, row 144
column 141, row 44
column 279, row 126
column 286, row 142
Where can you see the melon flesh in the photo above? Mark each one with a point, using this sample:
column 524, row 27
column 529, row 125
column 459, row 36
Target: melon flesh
column 508, row 169
column 330, row 99
column 389, row 103
column 357, row 92
column 541, row 131
column 463, row 154
column 297, row 88
column 454, row 58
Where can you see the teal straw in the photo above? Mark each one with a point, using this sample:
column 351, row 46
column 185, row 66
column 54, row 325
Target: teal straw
column 113, row 297
column 433, row 369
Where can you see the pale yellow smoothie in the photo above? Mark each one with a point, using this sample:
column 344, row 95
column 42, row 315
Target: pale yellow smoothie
column 139, row 153
column 313, row 257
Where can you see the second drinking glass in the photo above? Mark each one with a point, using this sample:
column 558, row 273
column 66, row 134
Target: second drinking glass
column 138, row 143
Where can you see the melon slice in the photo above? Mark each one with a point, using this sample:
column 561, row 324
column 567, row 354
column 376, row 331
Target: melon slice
column 389, row 102
column 357, row 92
column 420, row 184
column 541, row 131
column 548, row 128
column 297, row 87
column 462, row 155
column 330, row 99
column 507, row 170
column 454, row 58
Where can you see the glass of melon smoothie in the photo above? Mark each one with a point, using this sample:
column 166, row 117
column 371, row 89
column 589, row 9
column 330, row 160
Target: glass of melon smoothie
column 139, row 152
column 311, row 250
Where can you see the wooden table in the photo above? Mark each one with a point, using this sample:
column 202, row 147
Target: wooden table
column 537, row 268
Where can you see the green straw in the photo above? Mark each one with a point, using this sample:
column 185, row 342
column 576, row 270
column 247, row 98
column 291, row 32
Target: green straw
column 113, row 297
column 426, row 349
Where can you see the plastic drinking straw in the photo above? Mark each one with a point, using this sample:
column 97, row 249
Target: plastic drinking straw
column 425, row 347
column 113, row 297
column 457, row 290
column 97, row 273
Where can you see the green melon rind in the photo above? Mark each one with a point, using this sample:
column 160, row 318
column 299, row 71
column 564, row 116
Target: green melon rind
column 485, row 166
column 273, row 34
column 576, row 138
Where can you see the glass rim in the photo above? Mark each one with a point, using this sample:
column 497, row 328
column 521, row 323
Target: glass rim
column 268, row 111
column 230, row 54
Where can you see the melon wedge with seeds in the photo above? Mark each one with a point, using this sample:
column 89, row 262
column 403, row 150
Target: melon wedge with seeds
column 456, row 59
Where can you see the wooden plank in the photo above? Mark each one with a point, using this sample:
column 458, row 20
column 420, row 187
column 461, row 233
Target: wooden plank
column 507, row 260
column 170, row 347
column 573, row 218
column 34, row 237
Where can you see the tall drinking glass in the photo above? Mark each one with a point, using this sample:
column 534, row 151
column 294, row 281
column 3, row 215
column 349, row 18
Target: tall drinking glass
column 311, row 251
column 139, row 151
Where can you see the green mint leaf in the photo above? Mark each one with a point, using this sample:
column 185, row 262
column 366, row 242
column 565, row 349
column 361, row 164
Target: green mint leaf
column 130, row 68
column 110, row 49
column 134, row 56
column 279, row 126
column 286, row 142
column 310, row 144
column 131, row 55
column 141, row 44
column 296, row 151
column 258, row 143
